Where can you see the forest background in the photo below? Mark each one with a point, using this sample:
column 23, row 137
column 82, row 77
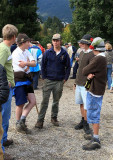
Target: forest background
column 90, row 16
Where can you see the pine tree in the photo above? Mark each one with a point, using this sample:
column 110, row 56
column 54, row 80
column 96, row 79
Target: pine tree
column 22, row 14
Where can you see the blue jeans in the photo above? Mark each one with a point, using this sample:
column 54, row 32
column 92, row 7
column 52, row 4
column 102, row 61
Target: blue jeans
column 109, row 72
column 6, row 114
column 93, row 108
column 35, row 79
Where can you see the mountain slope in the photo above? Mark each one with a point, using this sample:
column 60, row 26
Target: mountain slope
column 58, row 8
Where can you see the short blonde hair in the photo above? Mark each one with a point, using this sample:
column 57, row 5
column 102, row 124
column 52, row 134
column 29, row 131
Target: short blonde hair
column 108, row 46
column 9, row 31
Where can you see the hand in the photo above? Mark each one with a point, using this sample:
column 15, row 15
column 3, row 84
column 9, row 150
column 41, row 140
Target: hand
column 26, row 69
column 64, row 80
column 77, row 59
column 74, row 86
column 90, row 76
column 9, row 85
column 22, row 64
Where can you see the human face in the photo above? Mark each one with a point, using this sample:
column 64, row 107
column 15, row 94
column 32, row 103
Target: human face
column 96, row 52
column 56, row 43
column 84, row 46
column 26, row 44
column 80, row 45
column 49, row 46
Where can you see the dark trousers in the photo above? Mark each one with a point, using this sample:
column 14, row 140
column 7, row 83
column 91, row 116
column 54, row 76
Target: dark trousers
column 75, row 69
column 35, row 79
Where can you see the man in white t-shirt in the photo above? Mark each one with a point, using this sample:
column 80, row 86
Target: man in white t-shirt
column 23, row 91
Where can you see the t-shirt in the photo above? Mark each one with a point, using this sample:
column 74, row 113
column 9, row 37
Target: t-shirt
column 6, row 61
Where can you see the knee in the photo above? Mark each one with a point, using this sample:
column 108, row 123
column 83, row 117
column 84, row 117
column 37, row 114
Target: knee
column 33, row 103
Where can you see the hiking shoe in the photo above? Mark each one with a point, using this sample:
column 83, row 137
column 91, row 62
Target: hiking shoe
column 22, row 128
column 54, row 121
column 8, row 143
column 8, row 157
column 79, row 125
column 86, row 128
column 72, row 77
column 92, row 145
column 88, row 136
column 39, row 124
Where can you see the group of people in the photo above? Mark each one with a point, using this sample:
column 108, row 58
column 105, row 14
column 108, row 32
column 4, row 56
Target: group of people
column 22, row 68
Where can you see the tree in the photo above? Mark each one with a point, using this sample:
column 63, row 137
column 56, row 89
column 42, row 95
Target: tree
column 79, row 25
column 66, row 34
column 22, row 14
column 93, row 17
column 50, row 27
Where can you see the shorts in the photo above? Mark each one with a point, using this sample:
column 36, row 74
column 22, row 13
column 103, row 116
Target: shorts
column 93, row 108
column 21, row 94
column 80, row 95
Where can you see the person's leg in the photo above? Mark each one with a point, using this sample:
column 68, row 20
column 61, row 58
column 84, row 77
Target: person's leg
column 85, row 124
column 31, row 102
column 109, row 72
column 57, row 93
column 96, row 128
column 30, row 105
column 21, row 99
column 35, row 79
column 47, row 88
column 75, row 69
column 93, row 116
column 6, row 114
column 71, row 61
column 19, row 110
column 82, row 109
column 1, row 134
column 78, row 100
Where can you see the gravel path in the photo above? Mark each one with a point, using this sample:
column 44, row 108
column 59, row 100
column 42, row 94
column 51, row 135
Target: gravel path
column 63, row 142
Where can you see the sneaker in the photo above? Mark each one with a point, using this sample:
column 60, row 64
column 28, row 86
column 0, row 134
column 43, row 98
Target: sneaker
column 72, row 77
column 54, row 121
column 8, row 157
column 39, row 124
column 92, row 145
column 79, row 125
column 88, row 136
column 86, row 128
column 8, row 143
column 22, row 128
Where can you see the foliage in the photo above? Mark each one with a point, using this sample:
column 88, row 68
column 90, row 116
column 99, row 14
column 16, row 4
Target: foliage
column 50, row 27
column 66, row 34
column 93, row 17
column 22, row 14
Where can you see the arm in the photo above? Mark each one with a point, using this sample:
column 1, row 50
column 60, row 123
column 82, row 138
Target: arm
column 29, row 64
column 68, row 68
column 39, row 56
column 30, row 61
column 43, row 66
column 3, row 57
column 90, row 68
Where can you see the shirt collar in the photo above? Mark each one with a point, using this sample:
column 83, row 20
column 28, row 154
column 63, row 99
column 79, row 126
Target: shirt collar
column 101, row 54
column 87, row 51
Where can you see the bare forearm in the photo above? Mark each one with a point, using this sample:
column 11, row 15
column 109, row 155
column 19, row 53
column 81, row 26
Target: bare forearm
column 31, row 64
